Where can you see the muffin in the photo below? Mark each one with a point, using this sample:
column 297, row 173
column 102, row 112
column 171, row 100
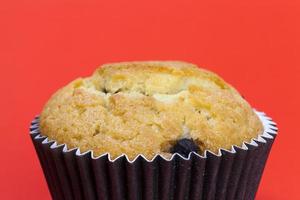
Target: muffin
column 192, row 131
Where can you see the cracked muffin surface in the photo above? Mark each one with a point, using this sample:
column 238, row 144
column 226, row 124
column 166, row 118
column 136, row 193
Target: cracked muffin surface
column 143, row 108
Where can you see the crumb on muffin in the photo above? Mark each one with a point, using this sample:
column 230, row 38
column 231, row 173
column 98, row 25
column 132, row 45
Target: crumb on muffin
column 143, row 108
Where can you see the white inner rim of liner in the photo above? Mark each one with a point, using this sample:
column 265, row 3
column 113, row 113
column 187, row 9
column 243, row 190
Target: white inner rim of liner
column 269, row 129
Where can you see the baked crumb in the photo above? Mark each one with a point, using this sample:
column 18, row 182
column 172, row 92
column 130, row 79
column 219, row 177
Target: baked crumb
column 142, row 107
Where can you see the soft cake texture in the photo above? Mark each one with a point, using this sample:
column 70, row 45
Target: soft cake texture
column 137, row 108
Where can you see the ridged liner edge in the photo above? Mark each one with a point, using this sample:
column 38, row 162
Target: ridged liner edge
column 270, row 129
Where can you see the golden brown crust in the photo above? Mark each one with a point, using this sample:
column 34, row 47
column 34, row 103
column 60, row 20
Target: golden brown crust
column 142, row 107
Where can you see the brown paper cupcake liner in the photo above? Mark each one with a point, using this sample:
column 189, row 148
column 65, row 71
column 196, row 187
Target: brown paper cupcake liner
column 229, row 175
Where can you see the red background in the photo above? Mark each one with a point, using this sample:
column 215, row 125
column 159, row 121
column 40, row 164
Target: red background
column 254, row 45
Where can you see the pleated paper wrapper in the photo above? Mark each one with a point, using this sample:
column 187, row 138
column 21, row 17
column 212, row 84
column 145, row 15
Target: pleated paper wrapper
column 229, row 175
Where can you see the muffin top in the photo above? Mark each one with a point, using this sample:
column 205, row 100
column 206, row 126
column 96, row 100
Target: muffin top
column 146, row 108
